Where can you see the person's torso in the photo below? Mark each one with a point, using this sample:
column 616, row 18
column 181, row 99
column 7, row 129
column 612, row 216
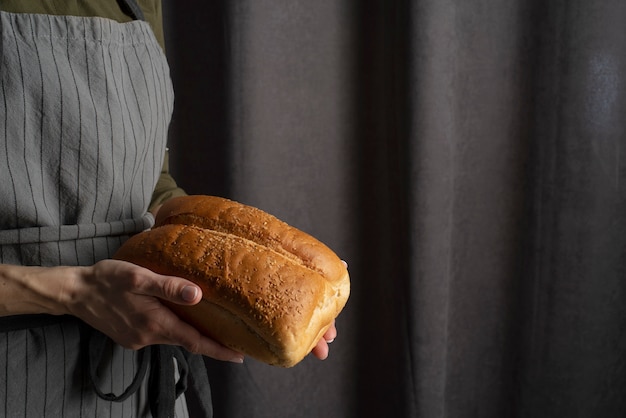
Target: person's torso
column 86, row 104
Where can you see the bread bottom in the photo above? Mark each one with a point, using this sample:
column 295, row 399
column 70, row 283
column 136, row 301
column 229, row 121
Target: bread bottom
column 225, row 327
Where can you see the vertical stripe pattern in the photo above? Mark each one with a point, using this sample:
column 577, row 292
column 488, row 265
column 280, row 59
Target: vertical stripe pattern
column 84, row 113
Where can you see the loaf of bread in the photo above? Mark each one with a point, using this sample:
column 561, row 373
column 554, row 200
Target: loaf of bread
column 270, row 291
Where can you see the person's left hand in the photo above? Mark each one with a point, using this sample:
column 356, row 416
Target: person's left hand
column 321, row 349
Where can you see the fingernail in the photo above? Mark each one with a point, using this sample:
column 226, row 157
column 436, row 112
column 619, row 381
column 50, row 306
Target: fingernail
column 330, row 341
column 189, row 293
column 345, row 263
column 237, row 359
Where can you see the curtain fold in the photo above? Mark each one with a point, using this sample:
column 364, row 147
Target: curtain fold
column 465, row 158
column 469, row 146
column 574, row 311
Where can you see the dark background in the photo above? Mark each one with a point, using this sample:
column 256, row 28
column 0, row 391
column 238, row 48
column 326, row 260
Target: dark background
column 465, row 158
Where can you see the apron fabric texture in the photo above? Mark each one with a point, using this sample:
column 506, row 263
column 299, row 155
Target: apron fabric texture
column 85, row 105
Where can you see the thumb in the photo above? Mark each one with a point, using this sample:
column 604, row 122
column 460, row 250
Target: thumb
column 176, row 290
column 191, row 294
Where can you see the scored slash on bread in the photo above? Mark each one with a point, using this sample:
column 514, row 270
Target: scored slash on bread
column 270, row 290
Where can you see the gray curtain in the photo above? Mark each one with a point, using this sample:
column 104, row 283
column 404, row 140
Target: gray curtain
column 465, row 157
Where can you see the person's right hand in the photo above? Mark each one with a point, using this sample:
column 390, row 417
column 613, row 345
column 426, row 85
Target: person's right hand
column 123, row 301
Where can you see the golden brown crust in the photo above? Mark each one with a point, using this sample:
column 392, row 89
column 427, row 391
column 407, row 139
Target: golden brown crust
column 219, row 214
column 269, row 290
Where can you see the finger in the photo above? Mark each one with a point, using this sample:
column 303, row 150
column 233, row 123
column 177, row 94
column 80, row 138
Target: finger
column 210, row 348
column 331, row 333
column 193, row 341
column 170, row 288
column 321, row 350
column 180, row 291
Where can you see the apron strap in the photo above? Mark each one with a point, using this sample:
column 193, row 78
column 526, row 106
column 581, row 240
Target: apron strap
column 131, row 8
column 163, row 389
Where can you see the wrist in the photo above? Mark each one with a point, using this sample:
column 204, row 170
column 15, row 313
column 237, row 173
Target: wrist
column 35, row 290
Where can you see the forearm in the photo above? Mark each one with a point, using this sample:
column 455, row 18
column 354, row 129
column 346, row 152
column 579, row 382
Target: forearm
column 33, row 290
column 120, row 299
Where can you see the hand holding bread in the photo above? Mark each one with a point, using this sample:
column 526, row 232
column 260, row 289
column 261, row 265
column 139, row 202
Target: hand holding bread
column 270, row 291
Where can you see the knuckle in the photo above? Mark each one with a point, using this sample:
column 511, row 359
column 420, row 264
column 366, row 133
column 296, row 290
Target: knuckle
column 133, row 341
column 136, row 278
column 170, row 288
column 151, row 327
column 134, row 346
column 193, row 347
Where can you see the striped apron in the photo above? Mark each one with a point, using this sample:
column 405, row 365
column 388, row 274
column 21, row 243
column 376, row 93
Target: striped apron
column 85, row 105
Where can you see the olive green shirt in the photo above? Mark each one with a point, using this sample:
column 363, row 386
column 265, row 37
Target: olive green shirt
column 101, row 8
column 166, row 186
